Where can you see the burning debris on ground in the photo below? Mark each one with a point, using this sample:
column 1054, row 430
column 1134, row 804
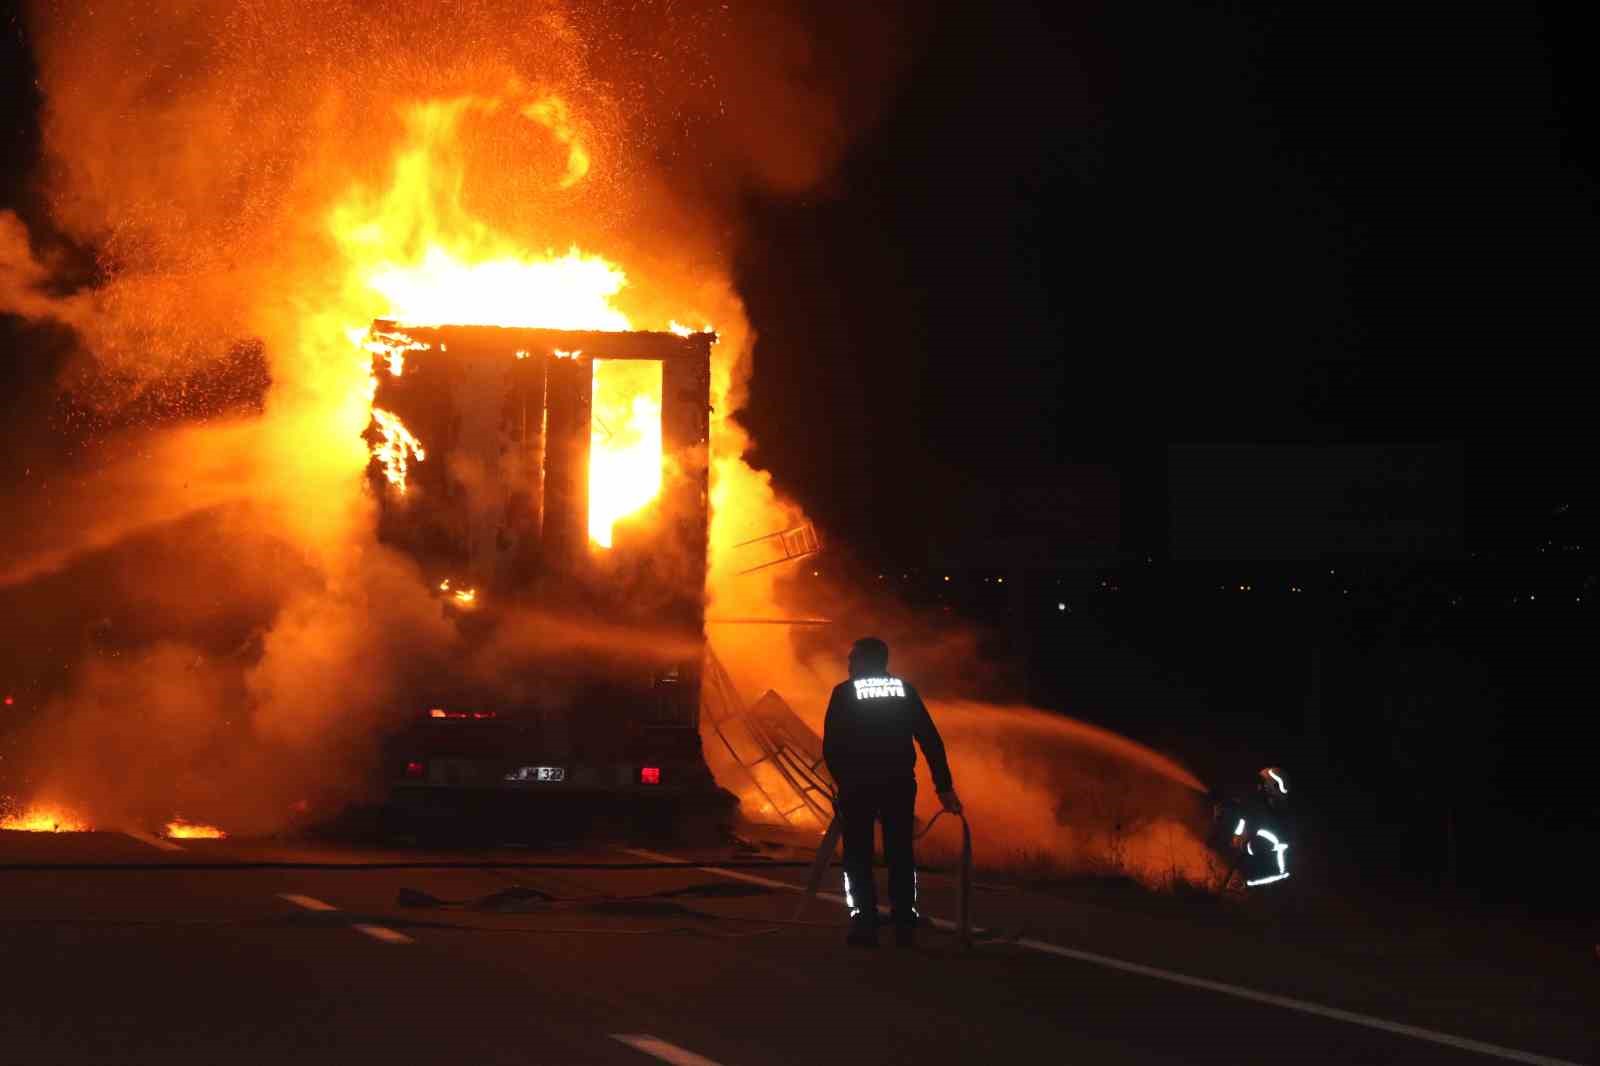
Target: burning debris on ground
column 43, row 818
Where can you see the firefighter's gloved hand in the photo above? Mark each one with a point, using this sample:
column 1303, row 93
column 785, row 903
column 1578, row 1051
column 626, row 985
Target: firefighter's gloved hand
column 950, row 801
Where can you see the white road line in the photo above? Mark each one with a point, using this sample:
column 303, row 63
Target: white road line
column 153, row 841
column 384, row 933
column 652, row 1045
column 1416, row 1032
column 307, row 902
column 1288, row 1003
column 376, row 932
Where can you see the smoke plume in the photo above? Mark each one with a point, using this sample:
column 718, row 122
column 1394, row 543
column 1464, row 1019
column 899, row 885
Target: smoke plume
column 223, row 163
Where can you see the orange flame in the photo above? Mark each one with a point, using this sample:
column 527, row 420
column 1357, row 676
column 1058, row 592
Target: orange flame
column 178, row 829
column 393, row 346
column 624, row 443
column 430, row 263
column 397, row 444
column 45, row 818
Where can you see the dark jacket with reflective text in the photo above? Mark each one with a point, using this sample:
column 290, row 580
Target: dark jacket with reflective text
column 866, row 737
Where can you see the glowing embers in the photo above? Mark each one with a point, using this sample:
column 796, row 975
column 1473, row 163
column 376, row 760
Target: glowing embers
column 463, row 597
column 45, row 819
column 877, row 688
column 395, row 447
column 179, row 829
column 624, row 442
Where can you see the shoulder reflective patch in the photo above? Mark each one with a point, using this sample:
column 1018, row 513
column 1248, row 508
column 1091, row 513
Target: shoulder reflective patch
column 877, row 688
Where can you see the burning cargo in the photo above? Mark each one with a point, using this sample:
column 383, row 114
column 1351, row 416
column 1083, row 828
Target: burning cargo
column 551, row 485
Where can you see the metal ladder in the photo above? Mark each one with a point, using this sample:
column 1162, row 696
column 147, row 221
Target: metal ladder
column 782, row 740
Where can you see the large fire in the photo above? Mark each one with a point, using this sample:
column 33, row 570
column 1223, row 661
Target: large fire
column 179, row 829
column 341, row 168
column 45, row 819
column 430, row 263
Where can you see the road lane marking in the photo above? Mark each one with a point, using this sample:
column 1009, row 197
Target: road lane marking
column 1290, row 1003
column 307, row 902
column 376, row 932
column 655, row 1046
column 153, row 841
column 1368, row 1021
column 385, row 934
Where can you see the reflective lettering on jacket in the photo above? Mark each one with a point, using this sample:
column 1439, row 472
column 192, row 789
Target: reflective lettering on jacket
column 877, row 688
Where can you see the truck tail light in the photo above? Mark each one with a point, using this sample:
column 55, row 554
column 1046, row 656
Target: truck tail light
column 416, row 769
column 649, row 775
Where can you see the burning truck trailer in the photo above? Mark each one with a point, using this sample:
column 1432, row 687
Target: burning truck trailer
column 552, row 487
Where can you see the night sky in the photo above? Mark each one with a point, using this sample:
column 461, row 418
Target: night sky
column 1083, row 232
column 1089, row 231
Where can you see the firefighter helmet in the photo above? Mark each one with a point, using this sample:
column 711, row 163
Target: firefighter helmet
column 1274, row 783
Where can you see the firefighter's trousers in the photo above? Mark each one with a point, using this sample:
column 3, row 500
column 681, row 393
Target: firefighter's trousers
column 860, row 805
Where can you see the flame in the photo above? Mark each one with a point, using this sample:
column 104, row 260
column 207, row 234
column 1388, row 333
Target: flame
column 398, row 442
column 463, row 597
column 45, row 818
column 431, row 263
column 393, row 346
column 572, row 291
column 624, row 442
column 674, row 326
column 178, row 829
column 552, row 113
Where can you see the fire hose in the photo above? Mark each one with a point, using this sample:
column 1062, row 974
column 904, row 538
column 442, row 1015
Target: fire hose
column 830, row 841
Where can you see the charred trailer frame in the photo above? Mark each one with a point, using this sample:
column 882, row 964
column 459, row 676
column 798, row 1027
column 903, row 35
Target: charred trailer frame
column 498, row 507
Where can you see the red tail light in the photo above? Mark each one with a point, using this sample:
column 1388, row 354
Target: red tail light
column 415, row 768
column 649, row 775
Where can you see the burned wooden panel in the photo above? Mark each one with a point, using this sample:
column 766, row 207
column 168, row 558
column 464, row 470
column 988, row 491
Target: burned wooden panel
column 566, row 462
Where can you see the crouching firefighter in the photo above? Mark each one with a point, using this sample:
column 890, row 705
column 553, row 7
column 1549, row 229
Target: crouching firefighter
column 1256, row 828
column 866, row 742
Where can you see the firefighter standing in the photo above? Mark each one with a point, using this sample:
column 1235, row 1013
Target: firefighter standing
column 866, row 742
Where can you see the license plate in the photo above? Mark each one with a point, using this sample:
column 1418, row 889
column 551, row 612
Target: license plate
column 538, row 773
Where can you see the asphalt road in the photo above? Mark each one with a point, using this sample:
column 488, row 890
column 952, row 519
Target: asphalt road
column 116, row 951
